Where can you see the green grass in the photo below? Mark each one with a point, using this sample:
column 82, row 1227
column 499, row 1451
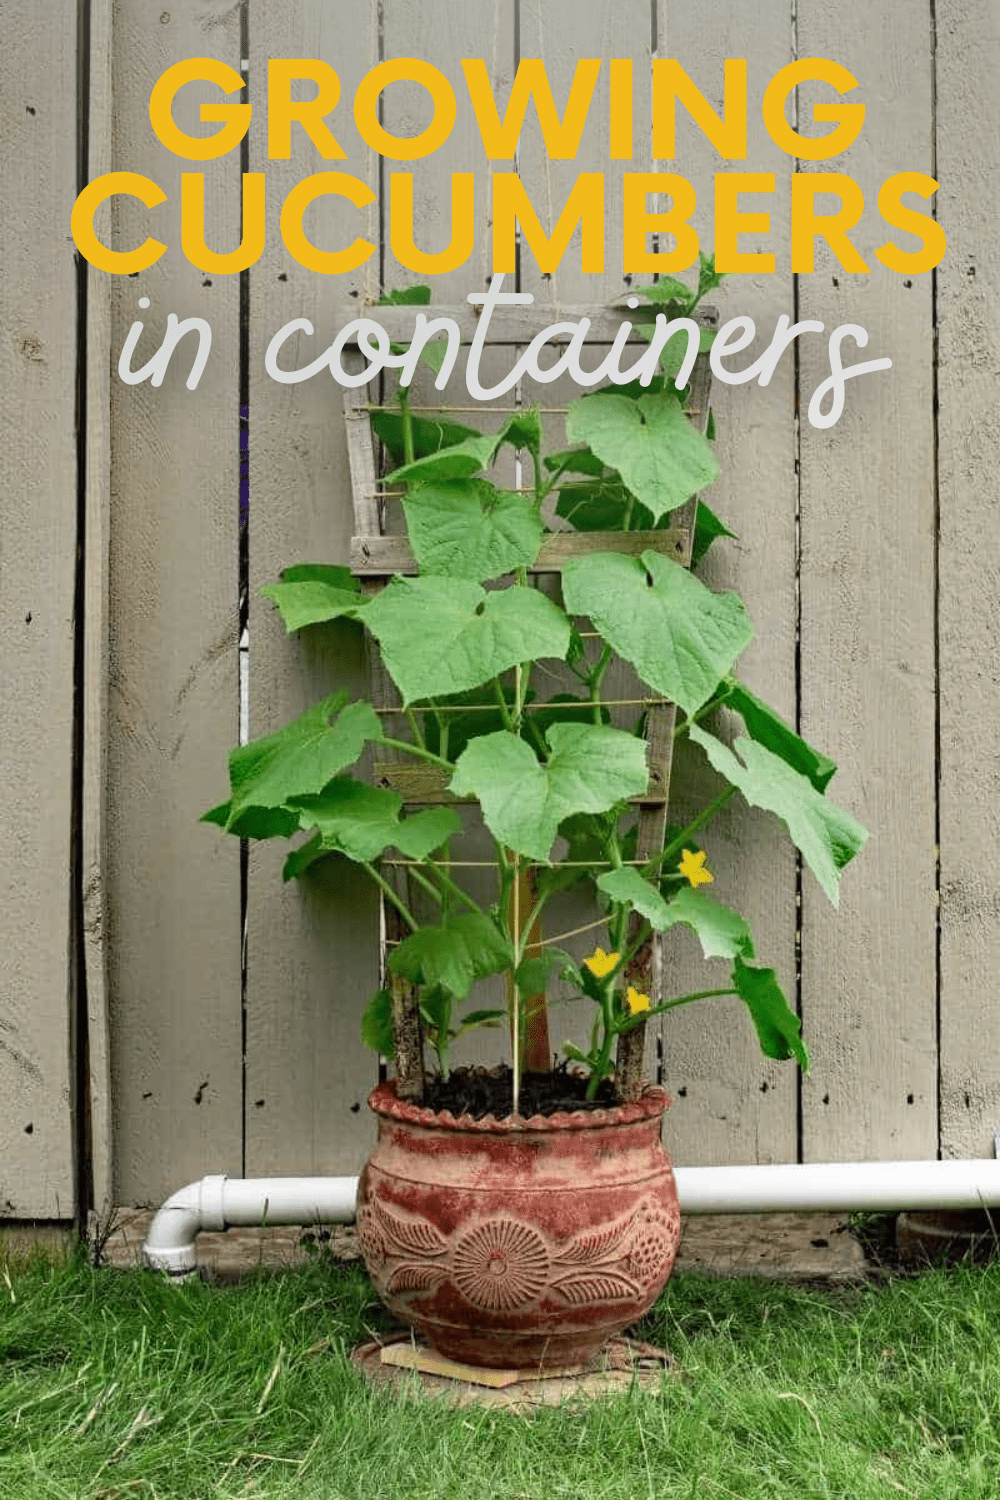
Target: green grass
column 120, row 1385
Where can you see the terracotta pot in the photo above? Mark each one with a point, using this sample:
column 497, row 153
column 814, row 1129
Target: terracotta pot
column 518, row 1243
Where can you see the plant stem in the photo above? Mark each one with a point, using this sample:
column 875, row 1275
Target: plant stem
column 659, row 1010
column 390, row 895
column 415, row 729
column 676, row 845
column 419, row 752
column 508, row 722
column 404, row 408
column 594, row 680
column 452, row 887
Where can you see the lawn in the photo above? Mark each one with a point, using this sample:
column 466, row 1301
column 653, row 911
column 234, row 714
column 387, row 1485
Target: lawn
column 116, row 1385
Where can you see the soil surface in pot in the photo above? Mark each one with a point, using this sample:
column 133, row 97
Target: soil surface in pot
column 478, row 1092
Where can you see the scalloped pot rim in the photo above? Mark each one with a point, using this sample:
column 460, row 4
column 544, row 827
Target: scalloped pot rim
column 383, row 1102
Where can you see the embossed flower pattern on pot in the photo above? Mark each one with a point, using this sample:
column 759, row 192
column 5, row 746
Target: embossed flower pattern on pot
column 651, row 1246
column 500, row 1265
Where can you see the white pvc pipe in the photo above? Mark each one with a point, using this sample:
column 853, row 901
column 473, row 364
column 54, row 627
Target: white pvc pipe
column 227, row 1202
column 884, row 1186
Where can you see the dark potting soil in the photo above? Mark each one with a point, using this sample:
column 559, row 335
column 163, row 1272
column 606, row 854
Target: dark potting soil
column 479, row 1092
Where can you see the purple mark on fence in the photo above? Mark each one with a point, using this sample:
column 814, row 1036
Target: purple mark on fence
column 244, row 466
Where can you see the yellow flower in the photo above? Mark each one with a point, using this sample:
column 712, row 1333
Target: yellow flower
column 635, row 1001
column 600, row 963
column 692, row 867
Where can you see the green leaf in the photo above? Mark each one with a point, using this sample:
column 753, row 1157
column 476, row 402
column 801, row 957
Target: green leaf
column 574, row 461
column 680, row 637
column 433, row 353
column 313, row 593
column 376, row 1024
column 532, row 974
column 661, row 457
column 826, row 836
column 455, row 954
column 361, row 821
column 669, row 290
column 523, row 429
column 405, row 296
column 778, row 1027
column 446, row 635
column 708, row 277
column 600, row 506
column 467, row 528
column 460, row 461
column 254, row 822
column 524, row 801
column 300, row 758
column 707, row 528
column 473, row 1018
column 770, row 729
column 721, row 931
column 430, row 434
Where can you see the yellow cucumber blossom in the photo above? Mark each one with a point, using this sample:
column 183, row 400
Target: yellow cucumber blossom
column 600, row 963
column 635, row 1001
column 692, row 867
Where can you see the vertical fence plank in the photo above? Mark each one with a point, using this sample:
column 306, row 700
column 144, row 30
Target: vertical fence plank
column 312, row 945
column 174, row 912
column 867, row 649
column 968, row 281
column 97, row 519
column 445, row 34
column 37, row 553
column 731, row 1104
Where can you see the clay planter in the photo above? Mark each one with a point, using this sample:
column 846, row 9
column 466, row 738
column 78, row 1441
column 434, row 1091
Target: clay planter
column 518, row 1243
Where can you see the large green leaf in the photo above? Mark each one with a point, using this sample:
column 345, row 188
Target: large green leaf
column 430, row 434
column 361, row 821
column 313, row 593
column 460, row 461
column 769, row 729
column 300, row 758
column 826, row 836
column 722, row 932
column 443, row 635
column 660, row 456
column 680, row 637
column 778, row 1027
column 524, row 800
column 253, row 822
column 467, row 528
column 454, row 954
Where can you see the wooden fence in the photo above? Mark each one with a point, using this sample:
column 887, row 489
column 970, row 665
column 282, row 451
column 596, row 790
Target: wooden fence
column 165, row 1012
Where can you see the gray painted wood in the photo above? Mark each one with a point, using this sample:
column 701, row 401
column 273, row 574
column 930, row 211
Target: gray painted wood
column 96, row 640
column 173, row 886
column 867, row 579
column 37, row 550
column 730, row 1103
column 968, row 287
column 312, row 946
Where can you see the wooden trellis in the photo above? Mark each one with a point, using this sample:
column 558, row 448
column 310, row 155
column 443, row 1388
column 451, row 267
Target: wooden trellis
column 377, row 554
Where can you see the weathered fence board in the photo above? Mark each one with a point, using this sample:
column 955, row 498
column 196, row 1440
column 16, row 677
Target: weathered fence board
column 173, row 889
column 730, row 1104
column 968, row 283
column 867, row 648
column 37, row 552
column 312, row 946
